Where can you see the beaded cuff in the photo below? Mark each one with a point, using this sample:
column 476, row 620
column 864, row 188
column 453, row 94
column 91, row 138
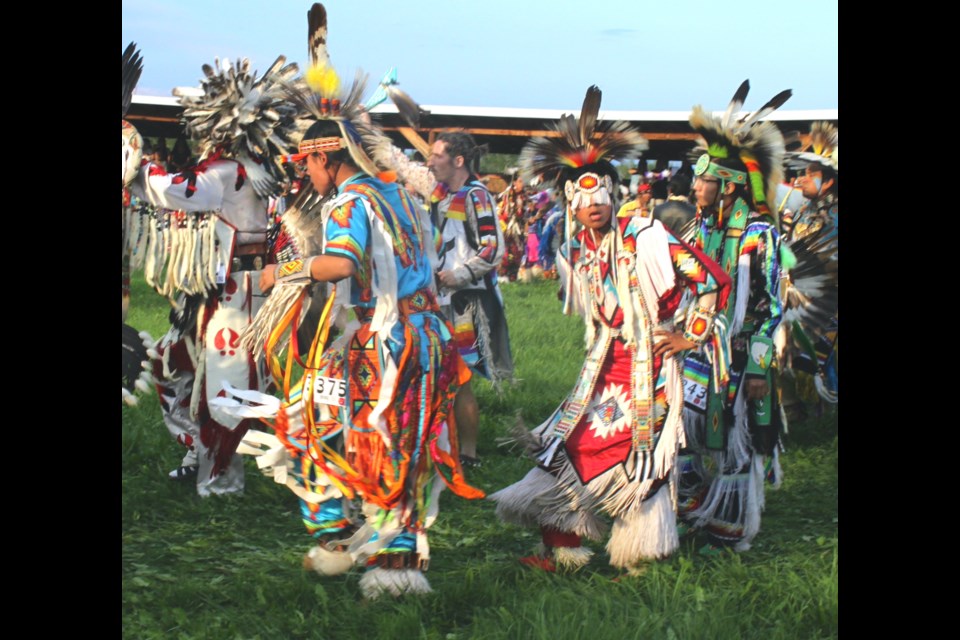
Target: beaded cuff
column 699, row 324
column 294, row 271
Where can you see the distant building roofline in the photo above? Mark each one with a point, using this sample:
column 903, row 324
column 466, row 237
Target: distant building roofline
column 786, row 115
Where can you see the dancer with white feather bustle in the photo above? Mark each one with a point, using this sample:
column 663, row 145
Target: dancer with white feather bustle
column 366, row 438
column 204, row 245
column 736, row 420
column 610, row 447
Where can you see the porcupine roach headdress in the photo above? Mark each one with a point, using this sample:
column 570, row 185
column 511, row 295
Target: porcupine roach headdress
column 578, row 161
column 745, row 151
column 321, row 99
column 583, row 148
column 244, row 117
column 824, row 148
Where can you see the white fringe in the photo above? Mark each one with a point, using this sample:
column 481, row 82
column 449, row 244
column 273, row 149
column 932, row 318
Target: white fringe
column 254, row 336
column 739, row 446
column 754, row 505
column 518, row 503
column 149, row 256
column 742, row 294
column 385, row 283
column 484, row 344
column 748, row 489
column 581, row 293
column 537, row 501
column 395, row 582
column 274, row 461
column 616, row 491
column 673, row 437
column 385, row 280
column 694, row 427
column 647, row 533
column 657, row 275
column 177, row 251
column 564, row 503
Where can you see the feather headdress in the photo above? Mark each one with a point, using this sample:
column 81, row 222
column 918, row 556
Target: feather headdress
column 322, row 98
column 319, row 97
column 578, row 162
column 824, row 148
column 359, row 134
column 745, row 151
column 580, row 143
column 246, row 116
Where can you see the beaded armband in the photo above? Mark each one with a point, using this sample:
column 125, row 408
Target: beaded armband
column 699, row 324
column 294, row 272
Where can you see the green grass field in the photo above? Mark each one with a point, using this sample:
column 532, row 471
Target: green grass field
column 225, row 568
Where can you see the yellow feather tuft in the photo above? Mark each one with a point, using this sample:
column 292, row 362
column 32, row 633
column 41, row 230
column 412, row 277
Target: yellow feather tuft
column 323, row 79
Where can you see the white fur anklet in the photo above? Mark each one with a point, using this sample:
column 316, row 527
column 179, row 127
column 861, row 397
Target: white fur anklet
column 326, row 562
column 571, row 558
column 395, row 582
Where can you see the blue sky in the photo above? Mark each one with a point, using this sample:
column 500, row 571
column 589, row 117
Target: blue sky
column 644, row 55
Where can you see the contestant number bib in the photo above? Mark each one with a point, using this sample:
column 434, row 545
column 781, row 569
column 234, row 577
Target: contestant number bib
column 696, row 377
column 695, row 394
column 331, row 391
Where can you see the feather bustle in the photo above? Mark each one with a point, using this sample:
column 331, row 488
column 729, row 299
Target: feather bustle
column 131, row 66
column 246, row 115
